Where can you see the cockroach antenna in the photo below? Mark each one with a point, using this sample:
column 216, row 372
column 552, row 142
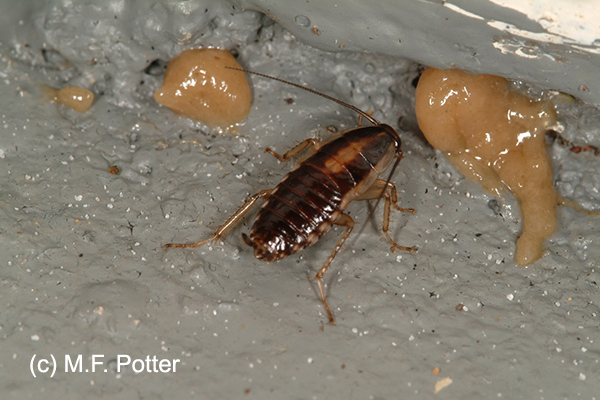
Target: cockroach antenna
column 338, row 101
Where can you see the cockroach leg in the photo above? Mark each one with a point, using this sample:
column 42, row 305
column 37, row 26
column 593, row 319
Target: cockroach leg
column 387, row 190
column 312, row 143
column 572, row 147
column 563, row 201
column 348, row 222
column 230, row 223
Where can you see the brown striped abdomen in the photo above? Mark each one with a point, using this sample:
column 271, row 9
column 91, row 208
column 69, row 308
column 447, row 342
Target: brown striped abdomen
column 306, row 203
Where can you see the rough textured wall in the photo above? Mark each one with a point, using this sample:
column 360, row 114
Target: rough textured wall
column 83, row 271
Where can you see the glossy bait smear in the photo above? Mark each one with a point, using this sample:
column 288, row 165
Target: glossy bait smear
column 77, row 98
column 495, row 136
column 198, row 86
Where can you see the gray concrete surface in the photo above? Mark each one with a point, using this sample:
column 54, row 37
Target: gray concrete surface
column 552, row 43
column 83, row 271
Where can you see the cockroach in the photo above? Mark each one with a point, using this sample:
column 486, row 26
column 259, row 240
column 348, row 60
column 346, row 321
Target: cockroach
column 314, row 194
